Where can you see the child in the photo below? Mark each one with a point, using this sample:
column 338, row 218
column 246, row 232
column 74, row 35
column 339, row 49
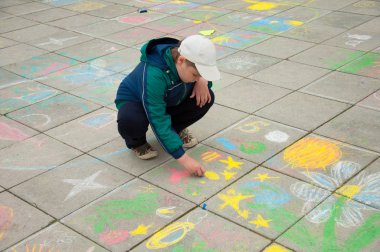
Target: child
column 170, row 90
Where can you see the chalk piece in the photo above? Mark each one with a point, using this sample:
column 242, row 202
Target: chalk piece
column 207, row 32
column 197, row 21
column 204, row 206
column 143, row 10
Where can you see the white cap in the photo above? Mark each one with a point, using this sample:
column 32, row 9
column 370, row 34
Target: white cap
column 201, row 51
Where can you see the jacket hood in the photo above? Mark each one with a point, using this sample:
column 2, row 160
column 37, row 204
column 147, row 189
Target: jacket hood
column 154, row 51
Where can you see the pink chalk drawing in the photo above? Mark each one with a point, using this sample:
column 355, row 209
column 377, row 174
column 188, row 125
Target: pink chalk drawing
column 54, row 67
column 11, row 134
column 6, row 217
column 114, row 237
column 177, row 176
column 133, row 19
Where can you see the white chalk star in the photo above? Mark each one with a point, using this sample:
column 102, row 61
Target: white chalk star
column 83, row 184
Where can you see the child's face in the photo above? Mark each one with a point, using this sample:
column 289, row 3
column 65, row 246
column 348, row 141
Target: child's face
column 186, row 72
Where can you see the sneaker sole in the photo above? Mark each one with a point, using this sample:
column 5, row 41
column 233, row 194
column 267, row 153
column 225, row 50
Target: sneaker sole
column 149, row 155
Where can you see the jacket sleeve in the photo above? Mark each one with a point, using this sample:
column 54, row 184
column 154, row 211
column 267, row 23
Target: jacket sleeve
column 153, row 96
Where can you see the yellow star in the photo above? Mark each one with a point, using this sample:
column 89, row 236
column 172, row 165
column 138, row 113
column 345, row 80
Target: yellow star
column 141, row 229
column 263, row 177
column 228, row 175
column 260, row 221
column 231, row 163
column 232, row 199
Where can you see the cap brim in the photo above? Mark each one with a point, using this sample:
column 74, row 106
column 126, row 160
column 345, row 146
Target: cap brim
column 210, row 73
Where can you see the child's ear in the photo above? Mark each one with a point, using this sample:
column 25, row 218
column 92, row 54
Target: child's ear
column 181, row 59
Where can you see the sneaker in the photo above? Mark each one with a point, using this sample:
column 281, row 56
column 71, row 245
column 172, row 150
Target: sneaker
column 145, row 151
column 188, row 139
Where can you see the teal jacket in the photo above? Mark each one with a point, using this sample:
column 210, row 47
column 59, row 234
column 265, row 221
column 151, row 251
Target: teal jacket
column 156, row 85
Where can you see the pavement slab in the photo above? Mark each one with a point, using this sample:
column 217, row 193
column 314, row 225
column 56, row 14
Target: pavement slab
column 221, row 168
column 74, row 21
column 204, row 12
column 127, row 215
column 75, row 77
column 289, row 74
column 304, row 14
column 101, row 91
column 7, row 42
column 33, row 156
column 134, row 36
column 102, row 29
column 255, row 139
column 24, row 94
column 112, row 11
column 366, row 65
column 329, row 5
column 25, row 8
column 280, row 47
column 53, row 112
column 18, row 220
column 249, row 95
column 88, row 131
column 13, row 132
column 240, row 39
column 323, row 162
column 235, row 19
column 356, row 39
column 343, row 87
column 358, row 126
column 20, row 52
column 226, row 79
column 302, row 110
column 56, row 237
column 206, row 231
column 342, row 20
column 169, row 24
column 266, row 202
column 135, row 18
column 364, row 7
column 372, row 101
column 173, row 7
column 338, row 224
column 71, row 186
column 8, row 79
column 327, row 56
column 32, row 33
column 49, row 15
column 85, row 6
column 40, row 66
column 245, row 63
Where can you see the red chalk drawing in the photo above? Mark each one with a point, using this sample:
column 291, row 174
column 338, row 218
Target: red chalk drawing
column 177, row 176
column 114, row 237
column 11, row 134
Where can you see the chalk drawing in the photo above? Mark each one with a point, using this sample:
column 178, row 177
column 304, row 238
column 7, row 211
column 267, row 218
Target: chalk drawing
column 61, row 2
column 83, row 185
column 226, row 143
column 84, row 6
column 41, row 117
column 54, row 41
column 176, row 231
column 209, row 156
column 166, row 212
column 99, row 121
column 239, row 39
column 231, row 163
column 356, row 39
column 37, row 247
column 9, row 133
column 263, row 177
column 310, row 194
column 260, row 221
column 252, row 147
column 275, row 248
column 232, row 199
column 252, row 127
column 364, row 187
column 6, row 218
column 312, row 153
column 114, row 237
column 277, row 136
column 273, row 25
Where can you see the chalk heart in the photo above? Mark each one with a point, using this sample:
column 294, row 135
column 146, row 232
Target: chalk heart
column 114, row 237
column 9, row 133
column 6, row 216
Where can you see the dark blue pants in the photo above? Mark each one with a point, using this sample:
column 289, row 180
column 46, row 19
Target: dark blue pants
column 133, row 123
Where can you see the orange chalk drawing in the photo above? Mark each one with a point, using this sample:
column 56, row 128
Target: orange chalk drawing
column 312, row 153
column 34, row 247
column 209, row 156
column 6, row 217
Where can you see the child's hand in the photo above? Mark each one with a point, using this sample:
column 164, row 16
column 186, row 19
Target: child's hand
column 201, row 92
column 191, row 165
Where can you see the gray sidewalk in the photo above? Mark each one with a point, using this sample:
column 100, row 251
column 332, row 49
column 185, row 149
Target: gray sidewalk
column 291, row 145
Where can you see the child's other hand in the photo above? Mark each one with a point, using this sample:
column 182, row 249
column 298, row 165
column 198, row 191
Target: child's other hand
column 201, row 92
column 191, row 165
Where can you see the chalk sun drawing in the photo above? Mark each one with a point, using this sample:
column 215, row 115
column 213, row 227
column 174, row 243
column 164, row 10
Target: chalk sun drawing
column 277, row 136
column 83, row 185
column 312, row 153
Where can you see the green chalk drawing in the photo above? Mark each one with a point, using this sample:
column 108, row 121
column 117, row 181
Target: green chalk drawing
column 111, row 210
column 329, row 238
column 365, row 234
column 335, row 64
column 179, row 248
column 252, row 147
column 363, row 62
